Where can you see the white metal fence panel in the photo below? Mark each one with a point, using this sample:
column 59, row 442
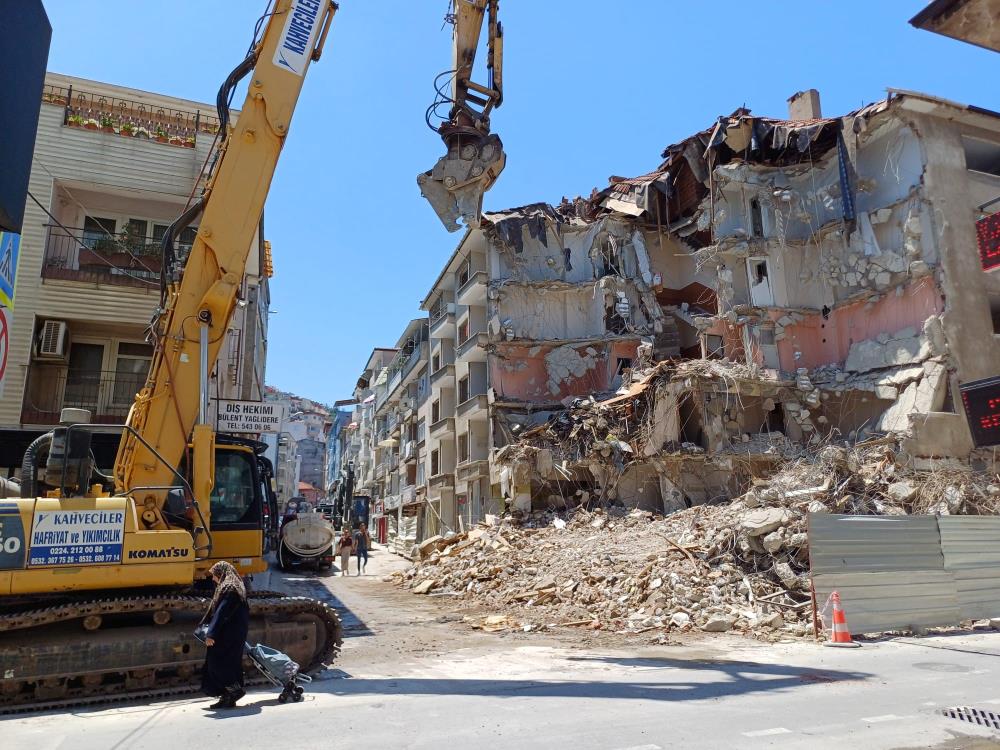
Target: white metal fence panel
column 873, row 544
column 971, row 547
column 888, row 570
column 903, row 600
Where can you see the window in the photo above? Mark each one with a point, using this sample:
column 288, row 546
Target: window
column 421, row 430
column 463, row 447
column 756, row 219
column 624, row 363
column 463, row 390
column 436, row 363
column 758, row 273
column 83, row 376
column 234, row 498
column 131, row 368
column 463, row 275
column 463, row 331
column 96, row 229
column 981, row 156
column 435, row 462
column 435, row 411
column 714, row 347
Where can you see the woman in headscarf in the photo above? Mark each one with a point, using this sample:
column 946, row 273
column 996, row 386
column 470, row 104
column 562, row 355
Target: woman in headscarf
column 226, row 634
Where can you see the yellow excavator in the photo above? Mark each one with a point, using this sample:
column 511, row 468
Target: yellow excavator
column 102, row 576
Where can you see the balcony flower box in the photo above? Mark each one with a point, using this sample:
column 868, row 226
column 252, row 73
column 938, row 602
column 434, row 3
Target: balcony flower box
column 176, row 140
column 91, row 124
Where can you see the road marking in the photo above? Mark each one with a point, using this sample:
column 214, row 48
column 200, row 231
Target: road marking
column 767, row 732
column 994, row 701
column 884, row 717
column 929, row 703
column 641, row 747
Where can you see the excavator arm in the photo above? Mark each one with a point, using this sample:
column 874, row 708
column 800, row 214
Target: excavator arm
column 475, row 157
column 198, row 298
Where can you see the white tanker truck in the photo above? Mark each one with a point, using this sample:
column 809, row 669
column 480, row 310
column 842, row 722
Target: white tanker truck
column 307, row 538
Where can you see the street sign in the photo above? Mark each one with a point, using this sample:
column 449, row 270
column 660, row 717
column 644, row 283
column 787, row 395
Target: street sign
column 10, row 243
column 250, row 416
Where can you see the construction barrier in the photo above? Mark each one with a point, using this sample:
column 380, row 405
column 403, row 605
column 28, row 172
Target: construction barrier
column 907, row 572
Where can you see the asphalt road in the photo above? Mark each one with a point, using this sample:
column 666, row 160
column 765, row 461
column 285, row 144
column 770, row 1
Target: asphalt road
column 411, row 676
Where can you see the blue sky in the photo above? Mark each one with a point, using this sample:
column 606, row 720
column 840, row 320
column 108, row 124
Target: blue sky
column 591, row 89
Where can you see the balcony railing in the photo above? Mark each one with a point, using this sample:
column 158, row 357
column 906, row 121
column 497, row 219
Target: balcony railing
column 53, row 387
column 129, row 118
column 77, row 254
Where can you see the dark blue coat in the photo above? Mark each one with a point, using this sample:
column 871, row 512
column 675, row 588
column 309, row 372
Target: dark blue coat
column 228, row 626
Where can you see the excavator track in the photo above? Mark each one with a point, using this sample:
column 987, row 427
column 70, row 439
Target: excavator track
column 76, row 653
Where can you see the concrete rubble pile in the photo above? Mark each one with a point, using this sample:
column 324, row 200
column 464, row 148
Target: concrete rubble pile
column 741, row 566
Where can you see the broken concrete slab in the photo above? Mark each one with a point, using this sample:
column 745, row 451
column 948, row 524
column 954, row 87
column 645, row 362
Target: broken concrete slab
column 765, row 520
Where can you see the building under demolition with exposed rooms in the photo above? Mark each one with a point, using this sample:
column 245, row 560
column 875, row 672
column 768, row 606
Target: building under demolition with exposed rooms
column 772, row 286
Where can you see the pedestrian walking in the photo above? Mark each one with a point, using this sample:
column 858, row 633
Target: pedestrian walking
column 345, row 546
column 362, row 542
column 225, row 636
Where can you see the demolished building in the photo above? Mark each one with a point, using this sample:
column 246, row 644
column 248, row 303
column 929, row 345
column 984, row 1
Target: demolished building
column 822, row 283
column 774, row 285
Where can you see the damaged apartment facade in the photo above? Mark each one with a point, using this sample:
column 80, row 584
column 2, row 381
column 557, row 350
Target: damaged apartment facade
column 772, row 285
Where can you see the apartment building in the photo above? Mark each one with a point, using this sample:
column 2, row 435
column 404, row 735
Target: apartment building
column 112, row 168
column 361, row 438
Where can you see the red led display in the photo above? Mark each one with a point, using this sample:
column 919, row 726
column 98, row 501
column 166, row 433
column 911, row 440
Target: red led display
column 981, row 399
column 988, row 238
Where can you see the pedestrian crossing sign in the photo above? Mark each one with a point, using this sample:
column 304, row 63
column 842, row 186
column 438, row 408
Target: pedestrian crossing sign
column 9, row 245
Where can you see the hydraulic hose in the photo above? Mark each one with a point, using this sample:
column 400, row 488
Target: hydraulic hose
column 29, row 464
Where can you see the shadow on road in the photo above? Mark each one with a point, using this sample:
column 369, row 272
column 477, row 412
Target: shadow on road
column 734, row 678
column 312, row 585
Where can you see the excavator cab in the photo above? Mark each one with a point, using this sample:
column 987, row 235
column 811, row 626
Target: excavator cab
column 243, row 509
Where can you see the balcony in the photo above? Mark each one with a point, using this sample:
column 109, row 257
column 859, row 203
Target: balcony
column 443, row 376
column 442, row 427
column 475, row 407
column 392, row 502
column 439, row 481
column 473, row 291
column 380, row 470
column 472, row 469
column 50, row 388
column 410, row 451
column 408, row 496
column 131, row 119
column 473, row 349
column 442, row 320
column 123, row 260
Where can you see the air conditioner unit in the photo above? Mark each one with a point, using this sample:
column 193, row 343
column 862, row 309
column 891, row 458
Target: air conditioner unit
column 52, row 341
column 451, row 308
column 406, row 403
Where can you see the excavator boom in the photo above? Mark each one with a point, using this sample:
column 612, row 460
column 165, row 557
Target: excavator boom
column 475, row 157
column 198, row 300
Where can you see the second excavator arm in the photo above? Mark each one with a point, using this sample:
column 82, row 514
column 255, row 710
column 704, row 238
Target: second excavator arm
column 475, row 157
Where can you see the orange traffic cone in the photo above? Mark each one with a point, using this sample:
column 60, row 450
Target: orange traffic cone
column 840, row 636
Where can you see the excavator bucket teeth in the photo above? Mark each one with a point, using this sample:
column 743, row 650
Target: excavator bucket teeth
column 455, row 186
